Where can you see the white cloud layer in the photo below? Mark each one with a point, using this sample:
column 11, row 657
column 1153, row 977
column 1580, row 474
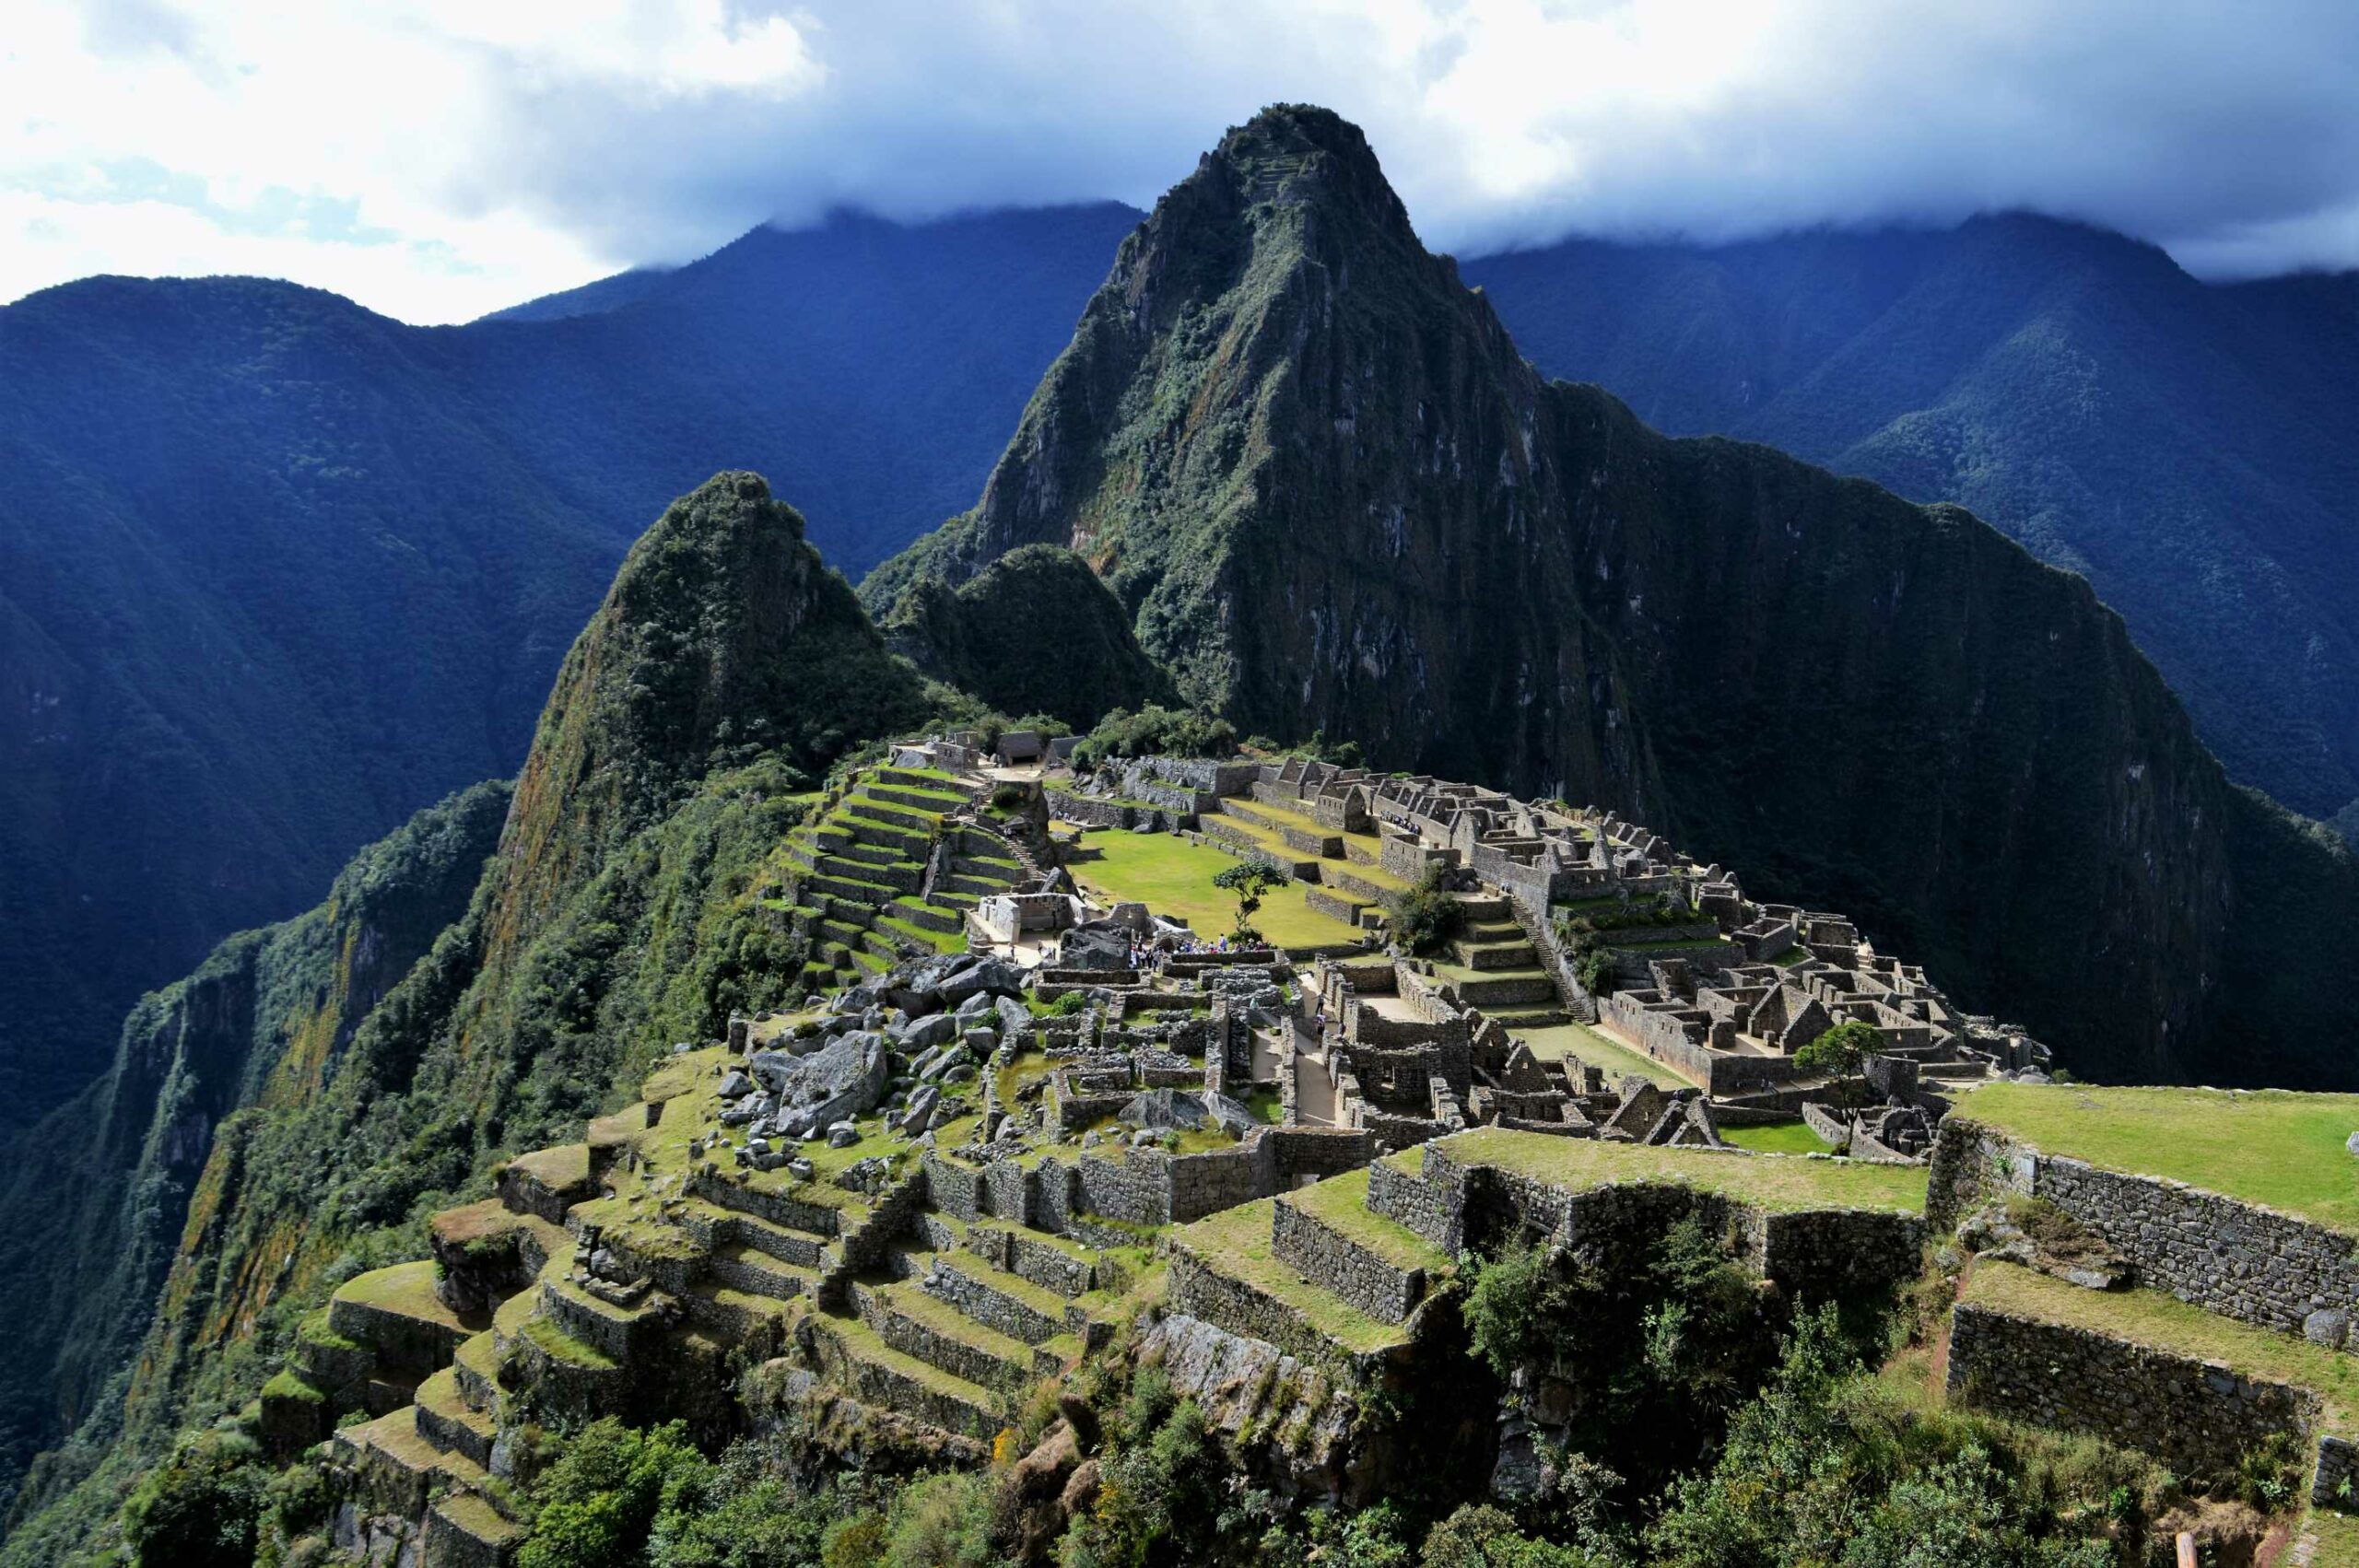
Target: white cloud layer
column 436, row 158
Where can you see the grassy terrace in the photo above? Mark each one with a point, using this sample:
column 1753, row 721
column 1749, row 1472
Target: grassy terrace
column 2270, row 1147
column 1782, row 1138
column 1289, row 817
column 2166, row 1323
column 1614, row 1058
column 1174, row 876
column 1236, row 1241
column 1340, row 1203
column 406, row 1289
column 1766, row 1181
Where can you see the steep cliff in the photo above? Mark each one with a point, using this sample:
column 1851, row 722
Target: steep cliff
column 626, row 906
column 1335, row 498
column 102, row 1192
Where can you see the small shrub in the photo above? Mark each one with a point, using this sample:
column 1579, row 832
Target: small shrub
column 1427, row 919
column 1837, row 1051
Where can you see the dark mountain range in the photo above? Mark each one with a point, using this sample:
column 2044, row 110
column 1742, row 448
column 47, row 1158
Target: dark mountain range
column 1335, row 498
column 1318, row 484
column 2191, row 448
column 274, row 572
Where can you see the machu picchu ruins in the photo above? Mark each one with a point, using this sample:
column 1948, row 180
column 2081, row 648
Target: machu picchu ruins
column 1043, row 1099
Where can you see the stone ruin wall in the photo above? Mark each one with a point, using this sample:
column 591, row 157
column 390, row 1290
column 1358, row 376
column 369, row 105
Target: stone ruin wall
column 2198, row 1417
column 1351, row 1272
column 1815, row 1254
column 2238, row 1259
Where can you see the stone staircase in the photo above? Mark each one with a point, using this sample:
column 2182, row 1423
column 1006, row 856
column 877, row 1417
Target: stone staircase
column 1494, row 969
column 958, row 1320
column 860, row 879
column 1319, row 1273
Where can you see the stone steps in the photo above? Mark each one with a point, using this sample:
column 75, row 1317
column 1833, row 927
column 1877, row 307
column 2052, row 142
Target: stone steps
column 476, row 1369
column 908, row 842
column 397, row 1468
column 1506, row 991
column 994, row 1298
column 930, row 802
column 715, row 1226
column 928, row 916
column 839, row 887
column 396, row 1313
column 1516, row 955
column 1329, row 1236
column 873, row 810
column 449, row 1423
column 724, row 1309
column 609, row 1330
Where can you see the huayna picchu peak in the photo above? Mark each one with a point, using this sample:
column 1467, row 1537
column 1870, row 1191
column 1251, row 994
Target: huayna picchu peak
column 1367, row 960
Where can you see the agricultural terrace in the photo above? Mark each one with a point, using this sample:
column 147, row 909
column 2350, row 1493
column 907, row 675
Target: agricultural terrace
column 1173, row 876
column 2272, row 1147
column 1775, row 1182
column 2166, row 1323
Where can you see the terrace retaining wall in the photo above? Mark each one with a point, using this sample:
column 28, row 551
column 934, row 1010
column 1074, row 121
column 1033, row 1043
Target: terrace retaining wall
column 2239, row 1259
column 2199, row 1417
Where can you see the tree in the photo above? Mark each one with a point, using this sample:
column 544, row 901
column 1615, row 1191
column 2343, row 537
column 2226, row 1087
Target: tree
column 1837, row 1051
column 1251, row 880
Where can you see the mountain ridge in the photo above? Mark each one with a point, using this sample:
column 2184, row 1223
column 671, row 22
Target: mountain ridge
column 1339, row 501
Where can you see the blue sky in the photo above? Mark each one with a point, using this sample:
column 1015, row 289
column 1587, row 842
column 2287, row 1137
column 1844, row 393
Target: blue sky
column 437, row 158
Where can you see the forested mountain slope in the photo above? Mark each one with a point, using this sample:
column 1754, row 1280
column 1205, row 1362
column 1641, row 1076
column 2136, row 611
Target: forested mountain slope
column 625, row 907
column 276, row 572
column 1335, row 498
column 2191, row 448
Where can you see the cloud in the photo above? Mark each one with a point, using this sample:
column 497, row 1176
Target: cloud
column 439, row 158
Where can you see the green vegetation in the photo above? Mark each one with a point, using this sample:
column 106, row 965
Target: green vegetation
column 1778, row 1138
column 1249, row 881
column 1155, row 730
column 1173, row 876
column 2281, row 1150
column 1428, row 918
column 2008, row 320
column 1837, row 1051
column 1827, row 1467
column 1034, row 632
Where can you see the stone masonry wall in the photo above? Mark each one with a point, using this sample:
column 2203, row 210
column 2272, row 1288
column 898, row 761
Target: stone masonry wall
column 2196, row 1417
column 1342, row 1267
column 2238, row 1259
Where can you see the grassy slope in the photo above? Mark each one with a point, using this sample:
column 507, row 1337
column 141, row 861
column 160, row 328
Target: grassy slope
column 2282, row 1150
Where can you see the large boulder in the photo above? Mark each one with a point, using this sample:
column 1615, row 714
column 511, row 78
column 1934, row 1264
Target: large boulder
column 992, row 974
column 924, row 1033
column 842, row 1080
